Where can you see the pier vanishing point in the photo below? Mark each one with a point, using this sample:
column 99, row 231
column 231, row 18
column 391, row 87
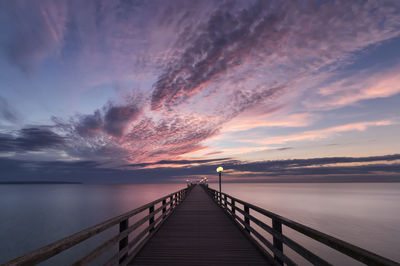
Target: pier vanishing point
column 200, row 226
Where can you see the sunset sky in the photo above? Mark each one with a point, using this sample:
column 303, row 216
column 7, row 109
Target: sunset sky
column 160, row 91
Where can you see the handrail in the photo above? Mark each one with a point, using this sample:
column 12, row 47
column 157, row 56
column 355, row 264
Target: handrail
column 61, row 245
column 228, row 203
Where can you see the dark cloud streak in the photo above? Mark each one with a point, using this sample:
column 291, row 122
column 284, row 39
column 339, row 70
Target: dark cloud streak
column 95, row 172
column 31, row 139
column 180, row 162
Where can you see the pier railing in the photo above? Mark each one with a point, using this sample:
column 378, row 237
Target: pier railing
column 127, row 249
column 249, row 213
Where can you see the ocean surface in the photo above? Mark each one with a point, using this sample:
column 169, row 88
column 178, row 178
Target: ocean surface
column 364, row 214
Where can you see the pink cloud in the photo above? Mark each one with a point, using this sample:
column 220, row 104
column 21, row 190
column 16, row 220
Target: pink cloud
column 243, row 123
column 356, row 88
column 324, row 133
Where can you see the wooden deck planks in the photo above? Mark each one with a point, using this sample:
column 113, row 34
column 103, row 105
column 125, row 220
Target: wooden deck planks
column 199, row 233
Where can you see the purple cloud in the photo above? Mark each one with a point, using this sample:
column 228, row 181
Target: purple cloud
column 31, row 139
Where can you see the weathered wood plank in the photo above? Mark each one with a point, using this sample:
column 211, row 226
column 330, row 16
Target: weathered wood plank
column 199, row 233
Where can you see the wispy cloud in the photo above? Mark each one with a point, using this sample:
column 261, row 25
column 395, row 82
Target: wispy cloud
column 361, row 86
column 248, row 123
column 324, row 133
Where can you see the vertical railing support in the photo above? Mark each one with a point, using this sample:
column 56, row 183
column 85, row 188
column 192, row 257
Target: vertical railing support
column 233, row 207
column 225, row 203
column 151, row 220
column 247, row 219
column 277, row 227
column 171, row 201
column 124, row 241
column 164, row 209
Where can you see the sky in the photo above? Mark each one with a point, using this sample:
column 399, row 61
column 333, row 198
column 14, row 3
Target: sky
column 119, row 91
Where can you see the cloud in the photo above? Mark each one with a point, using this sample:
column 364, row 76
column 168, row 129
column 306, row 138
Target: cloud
column 112, row 120
column 117, row 118
column 200, row 65
column 180, row 162
column 90, row 125
column 144, row 140
column 291, row 120
column 324, row 133
column 7, row 112
column 363, row 86
column 168, row 138
column 296, row 163
column 270, row 36
column 255, row 143
column 379, row 169
column 31, row 139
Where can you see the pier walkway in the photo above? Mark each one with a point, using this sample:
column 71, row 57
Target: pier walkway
column 199, row 233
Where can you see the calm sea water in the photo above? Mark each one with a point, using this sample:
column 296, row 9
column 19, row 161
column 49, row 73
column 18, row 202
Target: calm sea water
column 367, row 215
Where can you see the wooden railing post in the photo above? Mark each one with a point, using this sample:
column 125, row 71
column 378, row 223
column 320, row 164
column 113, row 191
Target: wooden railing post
column 225, row 203
column 123, row 225
column 171, row 201
column 151, row 220
column 277, row 226
column 247, row 219
column 233, row 207
column 164, row 209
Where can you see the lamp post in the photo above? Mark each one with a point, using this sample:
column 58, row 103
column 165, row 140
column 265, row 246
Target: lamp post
column 220, row 170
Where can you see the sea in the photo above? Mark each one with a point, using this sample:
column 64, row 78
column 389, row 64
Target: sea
column 363, row 214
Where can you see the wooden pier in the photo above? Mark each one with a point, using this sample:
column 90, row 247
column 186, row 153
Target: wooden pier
column 199, row 233
column 200, row 226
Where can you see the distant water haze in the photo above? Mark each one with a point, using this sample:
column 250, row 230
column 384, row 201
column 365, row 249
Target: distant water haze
column 363, row 214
